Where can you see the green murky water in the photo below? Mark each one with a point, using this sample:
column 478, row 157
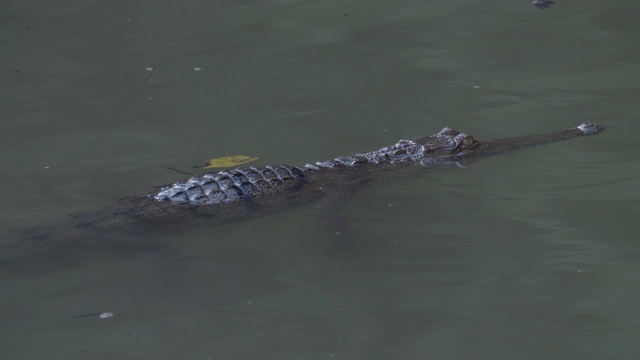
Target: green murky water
column 531, row 255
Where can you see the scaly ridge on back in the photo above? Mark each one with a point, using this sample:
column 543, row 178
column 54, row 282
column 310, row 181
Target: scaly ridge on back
column 243, row 183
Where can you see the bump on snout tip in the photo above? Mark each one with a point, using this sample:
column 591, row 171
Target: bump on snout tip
column 590, row 128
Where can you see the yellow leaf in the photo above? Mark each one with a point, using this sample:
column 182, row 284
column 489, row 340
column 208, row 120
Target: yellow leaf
column 226, row 161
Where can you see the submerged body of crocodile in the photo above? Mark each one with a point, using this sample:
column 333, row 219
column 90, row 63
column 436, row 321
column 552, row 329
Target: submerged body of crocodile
column 236, row 193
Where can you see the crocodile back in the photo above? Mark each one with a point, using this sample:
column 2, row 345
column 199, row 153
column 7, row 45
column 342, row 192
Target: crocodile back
column 246, row 183
column 231, row 185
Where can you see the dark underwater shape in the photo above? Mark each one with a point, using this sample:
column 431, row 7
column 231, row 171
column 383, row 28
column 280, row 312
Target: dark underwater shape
column 542, row 4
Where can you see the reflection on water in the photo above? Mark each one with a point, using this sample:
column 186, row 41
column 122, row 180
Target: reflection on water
column 530, row 255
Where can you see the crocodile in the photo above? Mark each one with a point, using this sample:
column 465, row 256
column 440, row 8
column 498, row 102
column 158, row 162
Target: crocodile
column 232, row 194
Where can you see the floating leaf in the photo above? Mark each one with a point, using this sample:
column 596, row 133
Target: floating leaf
column 226, row 161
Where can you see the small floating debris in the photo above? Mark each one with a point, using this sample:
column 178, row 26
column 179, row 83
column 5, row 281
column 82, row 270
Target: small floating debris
column 151, row 69
column 542, row 4
column 226, row 161
column 476, row 86
column 102, row 315
column 197, row 68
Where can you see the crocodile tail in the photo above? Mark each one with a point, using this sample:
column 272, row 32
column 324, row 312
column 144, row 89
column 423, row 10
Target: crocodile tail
column 84, row 225
column 77, row 226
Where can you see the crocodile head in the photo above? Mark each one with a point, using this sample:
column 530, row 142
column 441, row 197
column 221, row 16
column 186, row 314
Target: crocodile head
column 453, row 147
column 448, row 146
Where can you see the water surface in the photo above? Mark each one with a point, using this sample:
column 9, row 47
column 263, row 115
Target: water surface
column 530, row 255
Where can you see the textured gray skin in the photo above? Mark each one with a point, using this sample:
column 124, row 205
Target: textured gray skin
column 231, row 194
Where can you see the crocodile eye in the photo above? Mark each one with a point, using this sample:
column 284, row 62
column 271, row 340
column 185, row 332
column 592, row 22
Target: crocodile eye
column 468, row 141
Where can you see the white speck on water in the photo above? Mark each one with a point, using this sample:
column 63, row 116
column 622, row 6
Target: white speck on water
column 149, row 98
column 389, row 205
column 337, row 232
column 105, row 315
column 249, row 302
column 197, row 69
column 149, row 68
column 476, row 86
column 47, row 167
